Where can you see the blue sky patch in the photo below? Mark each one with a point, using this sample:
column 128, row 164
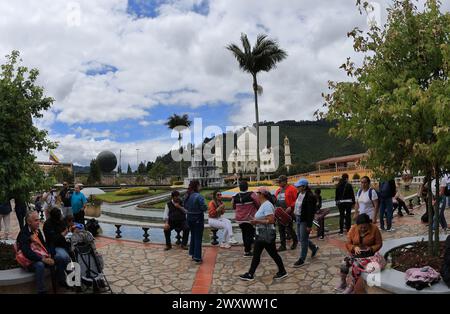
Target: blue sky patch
column 95, row 68
column 144, row 8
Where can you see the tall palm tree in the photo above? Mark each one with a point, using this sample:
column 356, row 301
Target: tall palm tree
column 179, row 121
column 264, row 56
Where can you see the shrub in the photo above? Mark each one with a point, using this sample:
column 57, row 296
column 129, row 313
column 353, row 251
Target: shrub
column 7, row 257
column 177, row 183
column 356, row 176
column 132, row 191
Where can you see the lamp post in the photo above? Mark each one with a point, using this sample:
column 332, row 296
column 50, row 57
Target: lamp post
column 137, row 159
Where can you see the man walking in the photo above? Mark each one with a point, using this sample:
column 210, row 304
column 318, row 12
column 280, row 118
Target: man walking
column 286, row 196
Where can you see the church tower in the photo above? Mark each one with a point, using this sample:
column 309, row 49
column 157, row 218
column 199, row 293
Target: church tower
column 287, row 154
column 218, row 153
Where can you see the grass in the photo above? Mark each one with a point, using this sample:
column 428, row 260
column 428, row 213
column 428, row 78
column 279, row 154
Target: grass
column 111, row 197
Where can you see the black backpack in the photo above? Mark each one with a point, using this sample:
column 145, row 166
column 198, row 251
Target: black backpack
column 93, row 226
column 445, row 269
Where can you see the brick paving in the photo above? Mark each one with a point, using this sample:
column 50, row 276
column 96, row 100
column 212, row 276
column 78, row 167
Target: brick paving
column 133, row 267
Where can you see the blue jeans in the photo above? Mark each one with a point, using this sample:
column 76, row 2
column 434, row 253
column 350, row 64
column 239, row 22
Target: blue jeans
column 386, row 208
column 196, row 224
column 442, row 204
column 303, row 238
column 39, row 271
column 62, row 258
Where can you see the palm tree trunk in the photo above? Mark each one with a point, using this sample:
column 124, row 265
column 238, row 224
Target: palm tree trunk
column 181, row 161
column 255, row 90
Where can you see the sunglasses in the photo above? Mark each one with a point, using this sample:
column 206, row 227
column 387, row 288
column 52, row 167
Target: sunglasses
column 218, row 194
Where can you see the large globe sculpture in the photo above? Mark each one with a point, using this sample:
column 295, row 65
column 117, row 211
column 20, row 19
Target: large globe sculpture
column 107, row 161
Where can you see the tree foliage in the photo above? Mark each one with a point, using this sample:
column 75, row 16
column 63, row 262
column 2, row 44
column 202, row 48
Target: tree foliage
column 21, row 101
column 129, row 171
column 398, row 103
column 95, row 173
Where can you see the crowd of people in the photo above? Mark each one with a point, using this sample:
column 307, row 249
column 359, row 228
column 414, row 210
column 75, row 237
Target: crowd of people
column 37, row 250
column 259, row 215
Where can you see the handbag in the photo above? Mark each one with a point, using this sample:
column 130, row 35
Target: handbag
column 282, row 217
column 266, row 234
column 321, row 213
column 36, row 246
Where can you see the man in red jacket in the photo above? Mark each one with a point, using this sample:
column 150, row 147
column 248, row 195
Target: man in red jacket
column 286, row 196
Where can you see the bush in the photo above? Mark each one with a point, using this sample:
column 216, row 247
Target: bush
column 132, row 191
column 7, row 257
column 356, row 176
column 177, row 183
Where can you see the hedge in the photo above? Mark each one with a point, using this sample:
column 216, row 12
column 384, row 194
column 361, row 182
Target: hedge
column 132, row 191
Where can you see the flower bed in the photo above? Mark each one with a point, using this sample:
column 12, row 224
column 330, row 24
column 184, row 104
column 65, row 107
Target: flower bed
column 416, row 255
column 7, row 256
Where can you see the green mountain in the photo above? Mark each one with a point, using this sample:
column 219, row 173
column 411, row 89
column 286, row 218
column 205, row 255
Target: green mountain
column 310, row 141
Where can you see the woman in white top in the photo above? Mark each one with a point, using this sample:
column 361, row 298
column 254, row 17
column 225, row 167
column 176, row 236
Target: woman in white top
column 265, row 222
column 367, row 201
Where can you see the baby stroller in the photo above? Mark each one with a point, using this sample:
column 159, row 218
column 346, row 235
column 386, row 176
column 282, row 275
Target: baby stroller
column 90, row 261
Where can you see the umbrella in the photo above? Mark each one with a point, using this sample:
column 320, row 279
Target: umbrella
column 92, row 191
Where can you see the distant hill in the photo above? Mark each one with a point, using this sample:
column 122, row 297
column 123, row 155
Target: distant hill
column 310, row 141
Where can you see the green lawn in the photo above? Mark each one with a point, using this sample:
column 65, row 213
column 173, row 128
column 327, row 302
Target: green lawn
column 111, row 197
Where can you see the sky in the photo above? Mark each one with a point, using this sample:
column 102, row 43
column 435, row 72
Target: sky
column 118, row 69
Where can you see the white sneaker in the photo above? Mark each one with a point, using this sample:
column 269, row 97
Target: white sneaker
column 225, row 245
column 233, row 241
column 390, row 230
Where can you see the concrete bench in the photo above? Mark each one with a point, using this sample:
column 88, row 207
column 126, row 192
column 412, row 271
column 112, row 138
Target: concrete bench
column 393, row 281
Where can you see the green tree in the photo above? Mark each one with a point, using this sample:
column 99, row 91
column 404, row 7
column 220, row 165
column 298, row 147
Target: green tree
column 95, row 173
column 178, row 123
column 119, row 169
column 158, row 171
column 142, row 169
column 61, row 174
column 264, row 56
column 149, row 166
column 129, row 171
column 398, row 101
column 21, row 101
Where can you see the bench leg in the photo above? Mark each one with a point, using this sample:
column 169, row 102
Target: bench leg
column 146, row 235
column 118, row 232
column 214, row 237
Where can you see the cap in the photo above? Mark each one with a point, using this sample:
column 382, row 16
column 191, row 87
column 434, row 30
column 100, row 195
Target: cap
column 282, row 178
column 301, row 182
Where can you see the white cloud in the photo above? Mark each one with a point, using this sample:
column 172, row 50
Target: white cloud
column 178, row 51
column 145, row 123
column 93, row 134
column 83, row 150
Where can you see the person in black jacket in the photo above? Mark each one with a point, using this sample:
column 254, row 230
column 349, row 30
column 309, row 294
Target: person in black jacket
column 175, row 218
column 55, row 231
column 24, row 244
column 305, row 208
column 20, row 208
column 345, row 200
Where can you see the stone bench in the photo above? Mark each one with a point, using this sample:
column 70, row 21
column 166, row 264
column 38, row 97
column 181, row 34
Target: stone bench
column 393, row 281
column 18, row 280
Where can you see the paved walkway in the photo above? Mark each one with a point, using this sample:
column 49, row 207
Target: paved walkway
column 133, row 267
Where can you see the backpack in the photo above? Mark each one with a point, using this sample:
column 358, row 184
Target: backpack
column 445, row 269
column 370, row 194
column 93, row 226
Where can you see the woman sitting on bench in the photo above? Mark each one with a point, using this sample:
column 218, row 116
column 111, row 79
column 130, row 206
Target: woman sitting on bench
column 216, row 208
